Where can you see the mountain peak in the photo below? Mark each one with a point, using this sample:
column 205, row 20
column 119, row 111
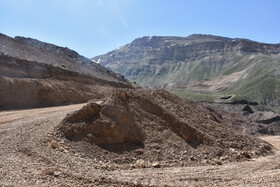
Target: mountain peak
column 177, row 62
column 207, row 36
column 159, row 41
column 50, row 47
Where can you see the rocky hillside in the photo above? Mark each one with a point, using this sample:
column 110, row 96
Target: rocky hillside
column 71, row 59
column 204, row 64
column 36, row 74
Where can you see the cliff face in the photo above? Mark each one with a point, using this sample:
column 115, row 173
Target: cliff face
column 40, row 74
column 199, row 62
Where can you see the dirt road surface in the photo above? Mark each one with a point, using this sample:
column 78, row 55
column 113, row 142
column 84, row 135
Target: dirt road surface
column 27, row 159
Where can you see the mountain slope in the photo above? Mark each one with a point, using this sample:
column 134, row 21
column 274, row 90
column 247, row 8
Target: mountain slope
column 34, row 50
column 201, row 63
column 37, row 74
column 81, row 64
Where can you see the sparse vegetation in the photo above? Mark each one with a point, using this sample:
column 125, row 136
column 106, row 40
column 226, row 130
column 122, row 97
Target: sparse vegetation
column 196, row 96
column 204, row 60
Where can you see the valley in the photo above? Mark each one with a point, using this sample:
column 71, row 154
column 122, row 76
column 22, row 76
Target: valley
column 66, row 120
column 122, row 93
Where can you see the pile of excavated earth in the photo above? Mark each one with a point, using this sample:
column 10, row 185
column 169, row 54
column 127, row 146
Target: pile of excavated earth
column 144, row 128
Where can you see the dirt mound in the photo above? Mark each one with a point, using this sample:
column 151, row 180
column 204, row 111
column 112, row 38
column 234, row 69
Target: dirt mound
column 155, row 126
column 114, row 124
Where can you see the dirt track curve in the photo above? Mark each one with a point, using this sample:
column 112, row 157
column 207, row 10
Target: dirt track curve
column 26, row 159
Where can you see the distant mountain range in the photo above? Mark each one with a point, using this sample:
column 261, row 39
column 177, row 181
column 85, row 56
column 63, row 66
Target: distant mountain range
column 202, row 67
column 37, row 74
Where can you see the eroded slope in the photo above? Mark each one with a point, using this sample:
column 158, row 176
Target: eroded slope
column 201, row 65
column 33, row 76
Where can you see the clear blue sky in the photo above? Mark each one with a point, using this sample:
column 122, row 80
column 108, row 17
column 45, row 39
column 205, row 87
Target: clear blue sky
column 93, row 27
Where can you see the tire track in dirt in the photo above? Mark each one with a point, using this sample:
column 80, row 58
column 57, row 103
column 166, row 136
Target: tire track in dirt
column 9, row 119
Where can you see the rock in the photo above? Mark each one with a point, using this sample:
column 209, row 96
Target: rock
column 243, row 154
column 157, row 151
column 266, row 147
column 218, row 162
column 193, row 158
column 232, row 150
column 56, row 173
column 246, row 154
column 139, row 152
column 223, row 157
column 254, row 153
column 123, row 95
column 247, row 110
column 140, row 163
column 54, row 144
column 205, row 161
column 156, row 165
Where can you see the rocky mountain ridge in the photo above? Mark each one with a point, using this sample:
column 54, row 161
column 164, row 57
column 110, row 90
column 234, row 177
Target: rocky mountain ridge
column 88, row 66
column 242, row 69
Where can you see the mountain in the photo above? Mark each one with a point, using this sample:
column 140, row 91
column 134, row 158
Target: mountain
column 35, row 50
column 202, row 67
column 36, row 74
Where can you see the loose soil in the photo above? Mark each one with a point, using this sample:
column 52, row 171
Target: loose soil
column 27, row 159
column 155, row 126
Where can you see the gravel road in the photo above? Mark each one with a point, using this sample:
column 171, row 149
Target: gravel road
column 27, row 159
